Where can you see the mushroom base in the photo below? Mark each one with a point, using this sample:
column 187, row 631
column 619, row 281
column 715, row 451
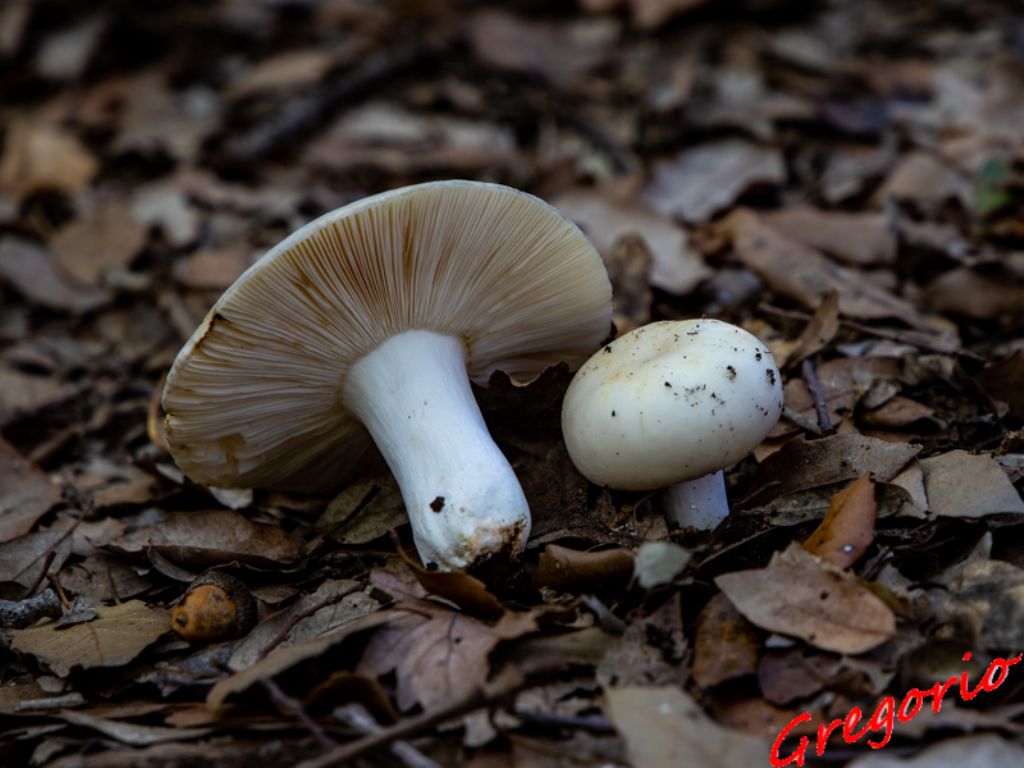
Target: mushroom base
column 700, row 503
column 464, row 501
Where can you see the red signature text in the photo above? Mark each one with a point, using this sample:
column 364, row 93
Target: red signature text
column 883, row 719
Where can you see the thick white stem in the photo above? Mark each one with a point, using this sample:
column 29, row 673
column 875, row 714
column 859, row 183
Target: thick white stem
column 699, row 503
column 464, row 502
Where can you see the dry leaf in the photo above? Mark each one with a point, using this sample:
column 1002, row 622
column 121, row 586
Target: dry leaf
column 103, row 240
column 981, row 751
column 24, row 561
column 665, row 728
column 726, row 645
column 438, row 655
column 959, row 484
column 804, row 275
column 200, row 540
column 659, row 562
column 39, row 156
column 364, row 511
column 968, row 292
column 796, row 595
column 849, row 526
column 802, row 464
column 467, row 592
column 1004, row 380
column 676, row 266
column 213, row 269
column 26, row 493
column 818, row 332
column 120, row 634
column 707, row 179
column 860, row 239
column 33, row 272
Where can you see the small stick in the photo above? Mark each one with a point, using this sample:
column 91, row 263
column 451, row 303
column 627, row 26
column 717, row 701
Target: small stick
column 290, row 624
column 66, row 701
column 356, row 716
column 291, row 706
column 810, row 376
column 798, row 419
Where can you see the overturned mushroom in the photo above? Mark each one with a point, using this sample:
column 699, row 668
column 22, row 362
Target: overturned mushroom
column 367, row 325
column 669, row 405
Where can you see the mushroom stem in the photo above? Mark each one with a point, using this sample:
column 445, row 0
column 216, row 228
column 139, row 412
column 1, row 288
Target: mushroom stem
column 464, row 502
column 699, row 503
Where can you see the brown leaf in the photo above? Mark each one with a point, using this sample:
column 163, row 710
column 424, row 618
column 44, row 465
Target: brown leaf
column 795, row 595
column 561, row 53
column 927, row 181
column 33, row 272
column 363, row 511
column 895, row 413
column 676, row 267
column 284, row 658
column 818, row 333
column 959, row 484
column 789, row 674
column 802, row 464
column 133, row 734
column 213, row 269
column 707, row 179
column 467, row 592
column 96, row 243
column 39, row 156
column 1004, row 380
column 804, row 275
column 860, row 239
column 569, row 570
column 438, row 655
column 849, row 526
column 200, row 540
column 968, row 292
column 24, row 561
column 286, row 71
column 981, row 751
column 726, row 645
column 664, row 727
column 120, row 634
column 26, row 493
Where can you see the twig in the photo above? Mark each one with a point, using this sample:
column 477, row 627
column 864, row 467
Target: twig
column 500, row 689
column 592, row 723
column 798, row 419
column 55, row 583
column 288, row 705
column 356, row 716
column 810, row 377
column 66, row 701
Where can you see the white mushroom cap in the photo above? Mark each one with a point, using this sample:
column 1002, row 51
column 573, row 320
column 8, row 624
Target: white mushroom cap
column 669, row 402
column 255, row 398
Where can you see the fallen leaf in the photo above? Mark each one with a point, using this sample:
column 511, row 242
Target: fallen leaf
column 988, row 601
column 726, row 645
column 801, row 464
column 438, row 655
column 213, row 269
column 795, row 595
column 570, row 570
column 665, row 728
column 802, row 274
column 788, row 674
column 676, row 266
column 659, row 562
column 1004, row 380
column 896, row 413
column 24, row 561
column 363, row 511
column 103, row 240
column 968, row 292
column 849, row 526
column 120, row 634
column 959, row 484
column 927, row 181
column 40, row 156
column 561, row 53
column 26, row 493
column 200, row 540
column 818, row 332
column 284, row 658
column 33, row 272
column 286, row 71
column 334, row 603
column 859, row 239
column 709, row 178
column 650, row 651
column 466, row 591
column 981, row 751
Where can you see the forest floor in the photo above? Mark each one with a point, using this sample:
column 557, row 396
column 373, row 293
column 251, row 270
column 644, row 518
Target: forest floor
column 843, row 179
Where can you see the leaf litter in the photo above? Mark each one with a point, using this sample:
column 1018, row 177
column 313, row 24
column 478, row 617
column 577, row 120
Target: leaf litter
column 843, row 180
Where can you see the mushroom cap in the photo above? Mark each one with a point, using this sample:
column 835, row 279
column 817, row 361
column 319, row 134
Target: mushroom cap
column 669, row 402
column 254, row 398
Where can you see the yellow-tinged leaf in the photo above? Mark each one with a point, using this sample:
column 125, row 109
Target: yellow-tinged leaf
column 848, row 526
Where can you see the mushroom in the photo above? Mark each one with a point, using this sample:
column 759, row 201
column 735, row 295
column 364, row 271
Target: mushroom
column 366, row 326
column 670, row 405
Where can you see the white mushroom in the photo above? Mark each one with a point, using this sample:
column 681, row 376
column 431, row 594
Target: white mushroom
column 669, row 405
column 366, row 326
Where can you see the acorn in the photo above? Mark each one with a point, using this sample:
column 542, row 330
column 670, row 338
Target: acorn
column 216, row 607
